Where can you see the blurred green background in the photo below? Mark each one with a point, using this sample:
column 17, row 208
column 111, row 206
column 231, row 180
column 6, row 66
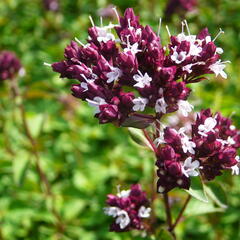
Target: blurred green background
column 84, row 161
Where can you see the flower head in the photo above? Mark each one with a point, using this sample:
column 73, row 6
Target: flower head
column 208, row 148
column 51, row 5
column 133, row 62
column 128, row 209
column 9, row 65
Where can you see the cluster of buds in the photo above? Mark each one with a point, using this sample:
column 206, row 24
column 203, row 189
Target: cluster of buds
column 131, row 79
column 9, row 65
column 130, row 74
column 128, row 208
column 175, row 5
column 51, row 5
column 207, row 148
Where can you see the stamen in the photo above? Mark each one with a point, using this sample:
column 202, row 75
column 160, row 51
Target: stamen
column 115, row 11
column 169, row 34
column 183, row 24
column 232, row 114
column 159, row 26
column 91, row 20
column 78, row 41
column 47, row 64
column 160, row 124
column 128, row 43
column 186, row 24
column 220, row 32
column 118, row 188
column 226, row 62
column 140, row 73
column 101, row 21
column 84, row 77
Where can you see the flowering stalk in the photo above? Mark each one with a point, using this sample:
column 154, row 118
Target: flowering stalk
column 44, row 180
column 180, row 214
column 10, row 68
column 132, row 80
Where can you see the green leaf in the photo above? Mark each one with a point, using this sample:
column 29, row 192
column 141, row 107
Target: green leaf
column 140, row 122
column 200, row 208
column 164, row 234
column 72, row 208
column 35, row 122
column 138, row 137
column 216, row 193
column 197, row 189
column 20, row 166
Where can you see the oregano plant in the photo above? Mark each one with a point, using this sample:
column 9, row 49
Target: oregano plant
column 132, row 80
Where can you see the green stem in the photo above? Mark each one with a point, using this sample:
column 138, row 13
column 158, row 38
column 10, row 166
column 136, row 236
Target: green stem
column 43, row 178
column 180, row 213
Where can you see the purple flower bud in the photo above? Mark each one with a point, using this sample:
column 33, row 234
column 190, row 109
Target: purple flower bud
column 108, row 113
column 172, row 137
column 51, row 5
column 175, row 6
column 228, row 157
column 167, row 74
column 72, row 52
column 128, row 62
column 9, row 65
column 78, row 91
column 174, row 168
column 203, row 34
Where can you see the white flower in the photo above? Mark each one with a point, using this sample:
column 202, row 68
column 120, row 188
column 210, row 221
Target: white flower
column 189, row 167
column 124, row 193
column 123, row 219
column 160, row 139
column 178, row 57
column 84, row 85
column 195, row 50
column 218, row 68
column 104, row 35
column 161, row 106
column 114, row 74
column 208, row 39
column 235, row 168
column 187, row 68
column 173, row 120
column 209, row 125
column 139, row 31
column 144, row 212
column 187, row 145
column 122, row 216
column 184, row 107
column 219, row 50
column 182, row 37
column 141, row 80
column 111, row 211
column 132, row 48
column 139, row 104
column 96, row 102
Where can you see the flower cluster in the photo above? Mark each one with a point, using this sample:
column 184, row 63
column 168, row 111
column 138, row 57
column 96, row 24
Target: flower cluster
column 51, row 5
column 175, row 5
column 130, row 74
column 9, row 65
column 208, row 149
column 128, row 208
